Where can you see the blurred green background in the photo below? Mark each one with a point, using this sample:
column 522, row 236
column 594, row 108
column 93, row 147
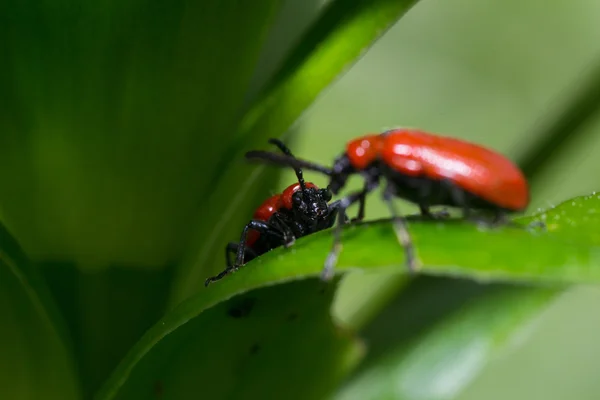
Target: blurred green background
column 492, row 72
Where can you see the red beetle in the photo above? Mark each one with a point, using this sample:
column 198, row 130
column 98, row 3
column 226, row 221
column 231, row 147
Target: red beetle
column 301, row 209
column 276, row 205
column 423, row 168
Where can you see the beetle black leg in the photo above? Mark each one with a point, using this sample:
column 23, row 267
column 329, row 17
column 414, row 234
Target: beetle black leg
column 361, row 207
column 344, row 203
column 287, row 234
column 424, row 209
column 259, row 226
column 219, row 276
column 334, row 210
column 425, row 193
column 459, row 198
column 232, row 248
column 499, row 218
column 401, row 230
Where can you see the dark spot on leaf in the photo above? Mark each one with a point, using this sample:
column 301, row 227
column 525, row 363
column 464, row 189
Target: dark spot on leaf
column 292, row 316
column 241, row 308
column 158, row 388
column 255, row 348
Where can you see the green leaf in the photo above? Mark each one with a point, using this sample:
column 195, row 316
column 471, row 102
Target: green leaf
column 257, row 345
column 342, row 33
column 437, row 337
column 438, row 363
column 107, row 311
column 465, row 251
column 36, row 360
column 563, row 129
column 335, row 41
column 567, row 253
column 112, row 117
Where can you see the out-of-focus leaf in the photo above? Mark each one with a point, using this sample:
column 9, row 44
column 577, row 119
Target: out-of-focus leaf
column 107, row 311
column 338, row 38
column 112, row 118
column 334, row 42
column 356, row 311
column 36, row 360
column 438, row 364
column 564, row 127
column 260, row 345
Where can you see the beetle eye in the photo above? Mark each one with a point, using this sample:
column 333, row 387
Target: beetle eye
column 326, row 194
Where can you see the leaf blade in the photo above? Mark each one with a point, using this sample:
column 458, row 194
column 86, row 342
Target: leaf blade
column 36, row 359
column 439, row 363
column 578, row 265
column 245, row 343
column 150, row 101
column 567, row 253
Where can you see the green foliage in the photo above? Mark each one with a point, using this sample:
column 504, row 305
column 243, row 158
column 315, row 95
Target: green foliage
column 37, row 361
column 122, row 129
column 539, row 259
column 250, row 345
column 564, row 254
column 107, row 114
column 438, row 362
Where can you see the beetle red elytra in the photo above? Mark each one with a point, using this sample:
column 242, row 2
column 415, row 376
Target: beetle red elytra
column 423, row 168
column 302, row 208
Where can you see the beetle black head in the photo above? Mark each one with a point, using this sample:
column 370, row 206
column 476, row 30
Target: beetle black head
column 311, row 204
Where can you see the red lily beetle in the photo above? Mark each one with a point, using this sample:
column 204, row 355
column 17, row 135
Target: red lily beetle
column 423, row 168
column 301, row 209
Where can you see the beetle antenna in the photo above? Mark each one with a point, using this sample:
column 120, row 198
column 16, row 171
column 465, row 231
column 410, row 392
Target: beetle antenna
column 283, row 159
column 297, row 169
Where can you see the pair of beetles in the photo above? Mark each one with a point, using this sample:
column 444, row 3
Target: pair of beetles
column 413, row 165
